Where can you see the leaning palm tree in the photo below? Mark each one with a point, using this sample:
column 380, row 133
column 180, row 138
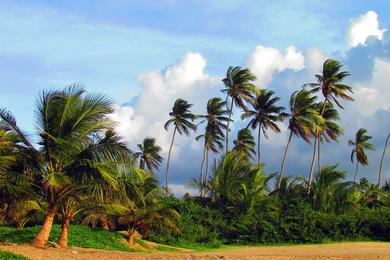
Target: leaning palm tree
column 182, row 119
column 240, row 89
column 360, row 145
column 382, row 159
column 149, row 154
column 301, row 120
column 76, row 145
column 331, row 86
column 214, row 132
column 264, row 115
column 245, row 144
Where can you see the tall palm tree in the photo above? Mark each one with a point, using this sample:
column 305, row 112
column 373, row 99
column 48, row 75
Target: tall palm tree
column 240, row 89
column 382, row 159
column 214, row 132
column 329, row 129
column 264, row 115
column 360, row 145
column 300, row 120
column 149, row 154
column 245, row 144
column 72, row 152
column 182, row 119
column 329, row 83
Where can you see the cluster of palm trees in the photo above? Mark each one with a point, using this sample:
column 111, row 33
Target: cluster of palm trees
column 308, row 118
column 78, row 167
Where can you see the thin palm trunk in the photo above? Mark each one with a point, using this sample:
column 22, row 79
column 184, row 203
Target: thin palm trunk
column 202, row 171
column 168, row 161
column 207, row 170
column 258, row 145
column 284, row 160
column 319, row 156
column 104, row 223
column 130, row 238
column 382, row 160
column 142, row 163
column 356, row 172
column 312, row 165
column 63, row 242
column 227, row 127
column 42, row 237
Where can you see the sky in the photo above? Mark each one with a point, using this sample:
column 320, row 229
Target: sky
column 146, row 54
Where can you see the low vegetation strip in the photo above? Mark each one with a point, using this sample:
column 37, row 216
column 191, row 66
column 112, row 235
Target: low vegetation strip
column 5, row 255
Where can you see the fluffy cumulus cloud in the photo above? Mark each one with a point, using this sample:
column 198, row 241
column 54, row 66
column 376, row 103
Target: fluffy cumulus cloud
column 375, row 95
column 314, row 59
column 363, row 27
column 265, row 61
column 186, row 79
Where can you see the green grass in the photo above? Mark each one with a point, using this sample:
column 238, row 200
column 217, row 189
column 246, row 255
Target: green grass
column 11, row 256
column 80, row 236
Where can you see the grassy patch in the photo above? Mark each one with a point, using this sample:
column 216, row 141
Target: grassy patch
column 81, row 236
column 11, row 256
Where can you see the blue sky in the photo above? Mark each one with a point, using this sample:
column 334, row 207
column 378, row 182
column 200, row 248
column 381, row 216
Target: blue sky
column 145, row 54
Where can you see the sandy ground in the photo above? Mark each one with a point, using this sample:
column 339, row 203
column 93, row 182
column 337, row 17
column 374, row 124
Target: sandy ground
column 358, row 250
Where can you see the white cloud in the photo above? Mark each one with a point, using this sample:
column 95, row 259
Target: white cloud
column 362, row 27
column 264, row 61
column 375, row 95
column 314, row 59
column 185, row 79
column 179, row 190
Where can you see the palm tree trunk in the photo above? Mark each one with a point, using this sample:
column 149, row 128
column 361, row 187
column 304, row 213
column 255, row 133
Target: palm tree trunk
column 104, row 223
column 258, row 145
column 202, row 171
column 63, row 242
column 319, row 156
column 168, row 161
column 312, row 165
column 382, row 159
column 284, row 160
column 42, row 237
column 130, row 238
column 227, row 127
column 141, row 163
column 356, row 172
column 207, row 169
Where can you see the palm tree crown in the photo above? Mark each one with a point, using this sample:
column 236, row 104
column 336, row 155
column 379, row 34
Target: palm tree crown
column 245, row 143
column 149, row 154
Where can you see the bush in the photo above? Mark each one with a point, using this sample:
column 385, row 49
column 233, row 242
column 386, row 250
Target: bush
column 11, row 256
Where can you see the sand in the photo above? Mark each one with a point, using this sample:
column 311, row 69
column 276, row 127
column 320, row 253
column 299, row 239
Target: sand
column 348, row 250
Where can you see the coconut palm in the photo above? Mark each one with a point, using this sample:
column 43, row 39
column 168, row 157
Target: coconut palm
column 329, row 83
column 214, row 132
column 149, row 154
column 70, row 124
column 329, row 130
column 245, row 144
column 301, row 120
column 182, row 119
column 264, row 115
column 360, row 145
column 240, row 89
column 382, row 159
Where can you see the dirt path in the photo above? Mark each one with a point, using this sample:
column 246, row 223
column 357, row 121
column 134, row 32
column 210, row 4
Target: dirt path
column 359, row 250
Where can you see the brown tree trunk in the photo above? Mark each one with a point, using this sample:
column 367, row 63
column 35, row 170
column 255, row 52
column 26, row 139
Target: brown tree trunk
column 130, row 238
column 63, row 242
column 258, row 145
column 207, row 168
column 42, row 237
column 104, row 223
column 168, row 161
column 312, row 164
column 202, row 171
column 284, row 160
column 227, row 127
column 356, row 172
column 319, row 156
column 382, row 159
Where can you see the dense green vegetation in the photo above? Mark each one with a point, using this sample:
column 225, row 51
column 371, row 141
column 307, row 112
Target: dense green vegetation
column 11, row 256
column 81, row 172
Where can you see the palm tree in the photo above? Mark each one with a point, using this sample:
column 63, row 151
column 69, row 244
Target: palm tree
column 382, row 159
column 214, row 134
column 264, row 116
column 329, row 130
column 182, row 119
column 360, row 145
column 72, row 153
column 329, row 83
column 245, row 144
column 301, row 120
column 240, row 89
column 149, row 154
